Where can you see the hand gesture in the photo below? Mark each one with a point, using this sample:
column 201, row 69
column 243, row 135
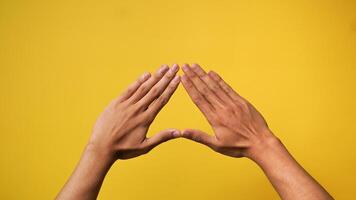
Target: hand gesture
column 120, row 131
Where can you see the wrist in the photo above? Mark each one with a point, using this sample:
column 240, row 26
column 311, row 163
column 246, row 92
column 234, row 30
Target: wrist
column 265, row 147
column 103, row 156
column 88, row 175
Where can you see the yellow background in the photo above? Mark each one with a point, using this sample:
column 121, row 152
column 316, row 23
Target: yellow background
column 63, row 61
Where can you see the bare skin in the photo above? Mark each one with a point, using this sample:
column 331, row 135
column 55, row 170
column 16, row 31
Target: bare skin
column 241, row 131
column 120, row 132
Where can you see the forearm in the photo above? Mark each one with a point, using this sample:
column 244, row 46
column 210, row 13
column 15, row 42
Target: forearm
column 87, row 178
column 289, row 179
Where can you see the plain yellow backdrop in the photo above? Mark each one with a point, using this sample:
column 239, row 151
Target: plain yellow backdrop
column 63, row 61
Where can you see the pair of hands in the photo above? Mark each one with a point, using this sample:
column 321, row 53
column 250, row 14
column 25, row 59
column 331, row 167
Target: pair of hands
column 120, row 131
column 240, row 131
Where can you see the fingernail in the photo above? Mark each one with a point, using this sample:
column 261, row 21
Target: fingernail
column 173, row 69
column 145, row 76
column 175, row 65
column 163, row 69
column 176, row 79
column 176, row 133
column 214, row 75
column 185, row 67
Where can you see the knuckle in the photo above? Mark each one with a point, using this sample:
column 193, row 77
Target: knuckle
column 205, row 90
column 162, row 100
column 129, row 90
column 157, row 77
column 149, row 118
column 197, row 138
column 135, row 108
column 169, row 75
column 171, row 86
column 188, row 135
column 144, row 119
column 226, row 88
column 214, row 120
column 229, row 109
column 223, row 121
column 214, row 88
column 212, row 85
column 155, row 90
column 138, row 81
column 143, row 88
column 146, row 115
column 243, row 104
column 190, row 75
column 188, row 84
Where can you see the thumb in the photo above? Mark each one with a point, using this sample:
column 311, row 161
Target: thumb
column 200, row 137
column 161, row 137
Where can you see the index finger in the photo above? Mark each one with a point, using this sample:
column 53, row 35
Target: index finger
column 199, row 100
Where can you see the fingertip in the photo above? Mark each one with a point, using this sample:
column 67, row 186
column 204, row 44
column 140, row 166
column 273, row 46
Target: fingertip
column 212, row 72
column 175, row 68
column 176, row 134
column 176, row 79
column 186, row 133
column 195, row 65
column 162, row 136
column 145, row 76
column 164, row 68
column 185, row 67
column 214, row 75
column 175, row 65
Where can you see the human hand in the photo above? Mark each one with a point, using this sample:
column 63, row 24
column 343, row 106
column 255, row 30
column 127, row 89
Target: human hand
column 120, row 131
column 240, row 130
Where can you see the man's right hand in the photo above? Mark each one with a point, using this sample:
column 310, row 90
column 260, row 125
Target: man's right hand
column 240, row 130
